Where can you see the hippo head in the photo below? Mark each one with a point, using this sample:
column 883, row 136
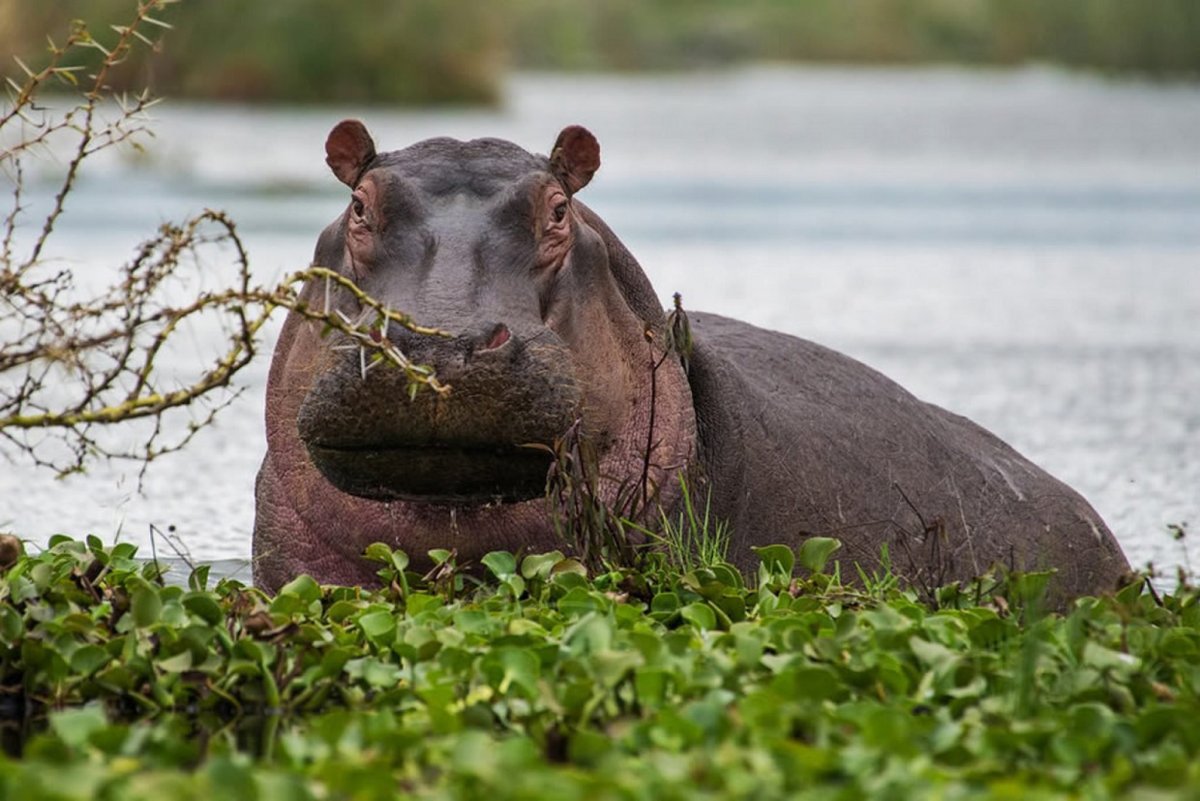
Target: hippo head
column 548, row 323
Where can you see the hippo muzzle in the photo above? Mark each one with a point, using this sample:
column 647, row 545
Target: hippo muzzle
column 434, row 472
column 487, row 441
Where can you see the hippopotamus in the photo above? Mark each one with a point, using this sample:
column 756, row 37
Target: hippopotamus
column 545, row 323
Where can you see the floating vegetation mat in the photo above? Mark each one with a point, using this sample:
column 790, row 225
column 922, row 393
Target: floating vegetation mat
column 537, row 680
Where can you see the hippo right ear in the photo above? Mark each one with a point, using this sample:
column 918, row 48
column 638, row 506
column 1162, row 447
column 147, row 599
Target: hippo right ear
column 575, row 157
column 348, row 151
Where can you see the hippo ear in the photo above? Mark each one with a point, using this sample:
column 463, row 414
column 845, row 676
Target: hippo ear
column 348, row 151
column 575, row 157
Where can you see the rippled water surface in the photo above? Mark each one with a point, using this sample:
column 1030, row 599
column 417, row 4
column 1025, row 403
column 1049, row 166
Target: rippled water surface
column 1020, row 247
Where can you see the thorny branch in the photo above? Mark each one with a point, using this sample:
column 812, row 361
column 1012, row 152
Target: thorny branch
column 74, row 361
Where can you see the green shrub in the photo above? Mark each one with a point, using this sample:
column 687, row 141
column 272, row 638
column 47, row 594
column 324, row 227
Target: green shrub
column 544, row 682
column 456, row 51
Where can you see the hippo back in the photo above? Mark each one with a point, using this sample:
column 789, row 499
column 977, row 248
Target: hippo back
column 828, row 446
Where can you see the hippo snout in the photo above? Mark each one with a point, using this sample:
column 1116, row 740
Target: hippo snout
column 486, row 440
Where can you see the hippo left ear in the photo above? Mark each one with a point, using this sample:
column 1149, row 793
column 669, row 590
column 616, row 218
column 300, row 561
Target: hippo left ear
column 575, row 157
column 348, row 151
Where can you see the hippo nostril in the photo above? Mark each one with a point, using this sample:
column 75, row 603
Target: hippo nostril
column 500, row 335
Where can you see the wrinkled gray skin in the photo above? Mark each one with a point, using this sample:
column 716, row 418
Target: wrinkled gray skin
column 554, row 321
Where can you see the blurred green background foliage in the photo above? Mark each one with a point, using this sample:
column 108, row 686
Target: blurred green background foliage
column 458, row 51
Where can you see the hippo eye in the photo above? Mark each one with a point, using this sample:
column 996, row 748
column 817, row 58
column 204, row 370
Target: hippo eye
column 560, row 212
column 357, row 207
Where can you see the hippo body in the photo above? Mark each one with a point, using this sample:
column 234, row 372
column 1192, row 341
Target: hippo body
column 801, row 440
column 552, row 325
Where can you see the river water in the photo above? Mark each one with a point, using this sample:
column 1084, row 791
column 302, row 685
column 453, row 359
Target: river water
column 1020, row 247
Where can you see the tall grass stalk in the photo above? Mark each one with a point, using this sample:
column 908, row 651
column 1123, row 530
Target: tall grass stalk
column 693, row 538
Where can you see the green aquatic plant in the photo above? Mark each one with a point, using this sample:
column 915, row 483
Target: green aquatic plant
column 542, row 680
column 693, row 537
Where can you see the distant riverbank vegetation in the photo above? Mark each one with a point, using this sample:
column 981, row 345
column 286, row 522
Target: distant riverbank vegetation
column 458, row 51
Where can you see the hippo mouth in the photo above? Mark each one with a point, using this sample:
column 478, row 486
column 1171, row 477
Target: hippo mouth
column 435, row 473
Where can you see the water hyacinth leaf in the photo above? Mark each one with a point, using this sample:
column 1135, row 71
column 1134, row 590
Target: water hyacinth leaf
column 650, row 684
column 1102, row 658
column 665, row 602
column 229, row 777
column 475, row 755
column 540, row 565
column 204, row 606
column 610, row 666
column 765, row 601
column 378, row 552
column 931, row 654
column 777, row 560
column 579, row 601
column 748, row 648
column 700, row 615
column 379, row 626
column 87, row 659
column 502, row 564
column 77, row 623
column 888, row 728
column 1181, row 644
column 338, row 611
column 176, row 664
column 588, row 748
column 886, row 620
column 418, row 644
column 472, row 621
column 252, row 652
column 288, row 604
column 198, row 578
column 591, row 634
column 198, row 640
column 57, row 540
column 399, row 561
column 567, row 580
column 123, row 551
column 419, row 602
column 334, row 660
column 145, row 605
column 303, row 587
column 1093, row 719
column 730, row 604
column 75, row 726
column 375, row 672
column 709, row 714
column 515, row 584
column 813, row 682
column 1029, row 589
column 728, row 575
column 507, row 667
column 565, row 569
column 11, row 625
column 173, row 612
column 815, row 552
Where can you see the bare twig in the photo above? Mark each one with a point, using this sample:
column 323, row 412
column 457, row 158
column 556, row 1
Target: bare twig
column 74, row 363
